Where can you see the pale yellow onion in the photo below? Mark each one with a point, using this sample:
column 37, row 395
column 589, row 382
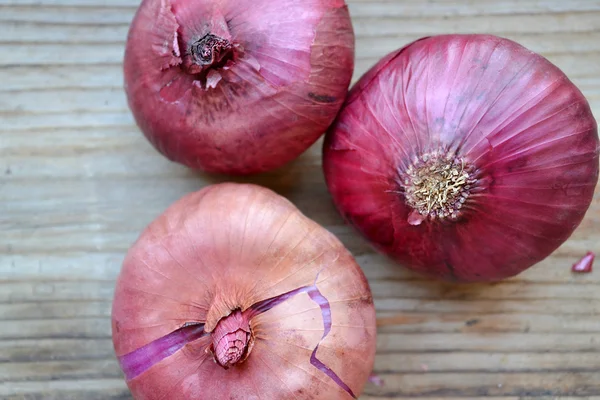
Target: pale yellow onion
column 227, row 247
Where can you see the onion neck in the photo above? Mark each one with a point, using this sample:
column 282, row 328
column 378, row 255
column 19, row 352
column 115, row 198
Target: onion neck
column 436, row 186
column 210, row 52
column 232, row 339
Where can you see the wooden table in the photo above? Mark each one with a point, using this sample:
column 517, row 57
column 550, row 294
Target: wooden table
column 78, row 182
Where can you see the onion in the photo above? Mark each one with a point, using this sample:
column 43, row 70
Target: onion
column 233, row 293
column 237, row 86
column 464, row 157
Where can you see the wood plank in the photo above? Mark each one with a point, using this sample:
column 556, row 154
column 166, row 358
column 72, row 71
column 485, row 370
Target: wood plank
column 78, row 182
column 25, row 307
column 105, row 266
column 506, row 290
column 398, row 344
column 83, row 121
column 89, row 389
column 547, row 44
column 359, row 8
column 524, row 323
column 52, row 77
column 98, row 267
column 487, row 342
column 368, row 44
column 54, row 310
column 29, row 350
column 451, row 9
column 490, row 307
column 96, row 327
column 65, row 308
column 528, row 384
column 64, row 101
column 102, row 94
column 60, row 32
column 59, row 370
column 109, row 100
column 369, row 397
column 400, row 397
column 61, row 291
column 466, row 362
column 43, row 15
column 90, row 328
column 131, row 4
column 83, row 76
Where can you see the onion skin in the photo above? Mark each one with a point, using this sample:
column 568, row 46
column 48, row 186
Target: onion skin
column 265, row 100
column 585, row 264
column 515, row 119
column 242, row 247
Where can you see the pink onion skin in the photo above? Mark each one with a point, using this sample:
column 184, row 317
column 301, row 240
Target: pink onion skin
column 526, row 129
column 291, row 71
column 231, row 246
column 585, row 264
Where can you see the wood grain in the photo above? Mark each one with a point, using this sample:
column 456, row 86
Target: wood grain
column 78, row 182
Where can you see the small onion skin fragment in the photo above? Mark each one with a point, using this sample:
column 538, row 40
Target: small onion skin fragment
column 237, row 86
column 585, row 264
column 464, row 157
column 233, row 262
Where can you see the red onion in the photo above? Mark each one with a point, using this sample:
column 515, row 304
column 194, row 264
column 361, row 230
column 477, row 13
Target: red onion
column 464, row 157
column 233, row 293
column 237, row 86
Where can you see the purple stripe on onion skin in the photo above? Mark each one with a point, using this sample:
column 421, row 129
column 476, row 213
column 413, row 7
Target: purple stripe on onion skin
column 323, row 303
column 138, row 361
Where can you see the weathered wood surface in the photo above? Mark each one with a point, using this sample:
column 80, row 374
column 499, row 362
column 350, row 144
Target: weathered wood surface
column 78, row 182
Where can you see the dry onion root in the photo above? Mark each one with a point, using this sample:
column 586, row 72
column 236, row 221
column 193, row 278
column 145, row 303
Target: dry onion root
column 464, row 157
column 233, row 293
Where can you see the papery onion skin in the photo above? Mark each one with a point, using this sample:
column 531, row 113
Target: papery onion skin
column 585, row 264
column 229, row 248
column 523, row 132
column 281, row 74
